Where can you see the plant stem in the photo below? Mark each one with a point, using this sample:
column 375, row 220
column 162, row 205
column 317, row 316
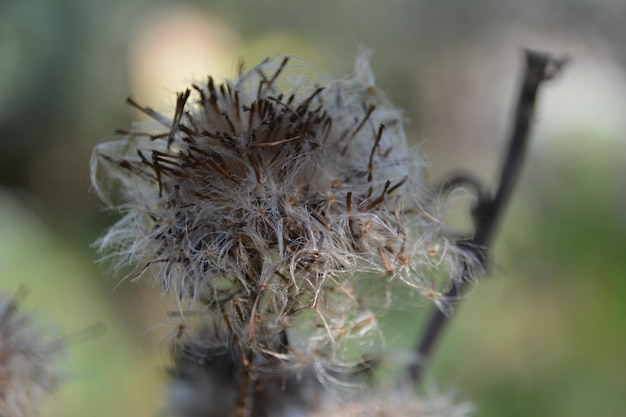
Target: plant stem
column 488, row 211
column 243, row 406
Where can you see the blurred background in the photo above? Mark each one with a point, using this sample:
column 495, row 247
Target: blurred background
column 543, row 335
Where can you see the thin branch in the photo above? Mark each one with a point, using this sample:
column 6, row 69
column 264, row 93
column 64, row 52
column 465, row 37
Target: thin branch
column 244, row 402
column 488, row 211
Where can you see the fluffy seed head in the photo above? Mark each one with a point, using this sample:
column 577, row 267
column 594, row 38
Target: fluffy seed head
column 27, row 362
column 272, row 203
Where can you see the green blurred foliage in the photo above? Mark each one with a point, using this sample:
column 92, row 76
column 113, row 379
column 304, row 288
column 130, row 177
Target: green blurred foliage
column 543, row 335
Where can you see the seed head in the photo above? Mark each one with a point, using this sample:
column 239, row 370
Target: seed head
column 271, row 202
column 27, row 362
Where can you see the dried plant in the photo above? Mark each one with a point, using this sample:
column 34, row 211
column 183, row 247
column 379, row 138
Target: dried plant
column 283, row 217
column 29, row 359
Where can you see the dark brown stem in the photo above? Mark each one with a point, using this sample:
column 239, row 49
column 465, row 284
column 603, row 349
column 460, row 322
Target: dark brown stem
column 243, row 402
column 243, row 405
column 488, row 211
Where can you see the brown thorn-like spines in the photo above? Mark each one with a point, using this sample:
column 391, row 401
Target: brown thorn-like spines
column 370, row 165
column 368, row 112
column 379, row 200
column 327, row 127
column 201, row 92
column 213, row 96
column 251, row 115
column 143, row 158
column 194, row 128
column 237, row 106
column 323, row 221
column 302, row 108
column 282, row 66
column 287, row 106
column 398, row 184
column 181, row 100
column 149, row 112
column 259, row 92
column 255, row 166
column 231, row 126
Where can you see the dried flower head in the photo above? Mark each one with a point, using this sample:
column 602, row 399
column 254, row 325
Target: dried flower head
column 28, row 357
column 277, row 206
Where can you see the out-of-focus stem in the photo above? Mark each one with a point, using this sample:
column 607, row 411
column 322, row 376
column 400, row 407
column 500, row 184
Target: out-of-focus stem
column 539, row 67
column 243, row 405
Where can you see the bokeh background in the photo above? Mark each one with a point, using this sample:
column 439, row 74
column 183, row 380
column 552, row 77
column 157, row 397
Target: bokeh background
column 543, row 335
